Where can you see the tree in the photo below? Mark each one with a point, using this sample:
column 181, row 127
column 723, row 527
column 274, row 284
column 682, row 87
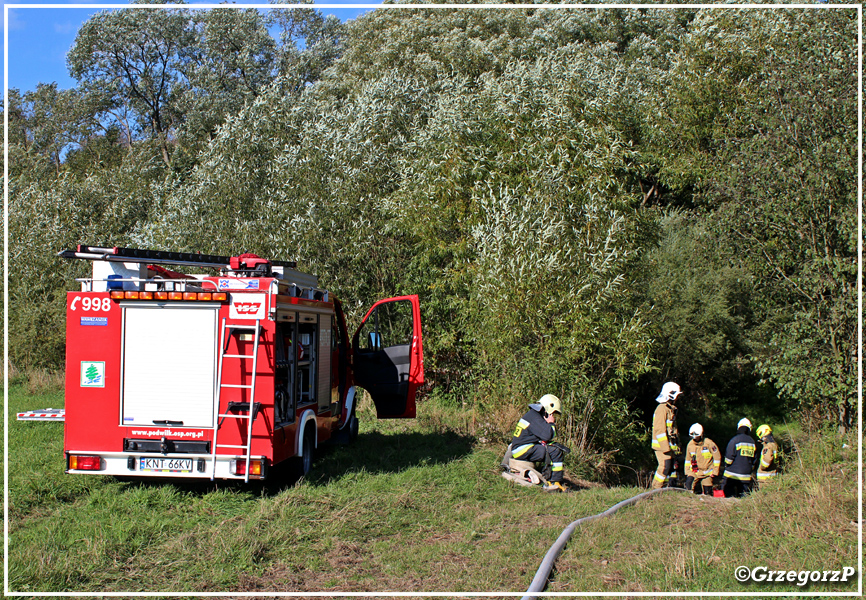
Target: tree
column 175, row 75
column 758, row 125
column 309, row 44
column 50, row 123
column 700, row 306
column 136, row 56
column 47, row 215
column 787, row 200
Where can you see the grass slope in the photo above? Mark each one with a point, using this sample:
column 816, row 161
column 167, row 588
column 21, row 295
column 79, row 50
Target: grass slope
column 412, row 506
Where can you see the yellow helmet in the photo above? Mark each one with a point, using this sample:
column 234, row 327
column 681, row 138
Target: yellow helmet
column 763, row 430
column 551, row 404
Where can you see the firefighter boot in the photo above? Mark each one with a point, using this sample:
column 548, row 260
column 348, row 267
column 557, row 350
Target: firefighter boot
column 553, row 486
column 690, row 483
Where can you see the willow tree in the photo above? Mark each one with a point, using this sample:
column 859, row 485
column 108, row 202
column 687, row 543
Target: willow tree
column 760, row 121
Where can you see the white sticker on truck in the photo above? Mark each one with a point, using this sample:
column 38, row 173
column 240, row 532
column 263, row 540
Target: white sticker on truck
column 238, row 284
column 247, row 306
column 92, row 373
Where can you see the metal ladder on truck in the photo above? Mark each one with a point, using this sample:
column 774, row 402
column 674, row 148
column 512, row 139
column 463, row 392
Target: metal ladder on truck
column 251, row 407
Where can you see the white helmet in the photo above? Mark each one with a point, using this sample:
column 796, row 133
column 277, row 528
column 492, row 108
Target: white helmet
column 696, row 430
column 550, row 404
column 744, row 423
column 669, row 392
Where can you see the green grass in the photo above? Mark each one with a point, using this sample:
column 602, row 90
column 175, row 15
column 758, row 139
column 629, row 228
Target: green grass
column 412, row 506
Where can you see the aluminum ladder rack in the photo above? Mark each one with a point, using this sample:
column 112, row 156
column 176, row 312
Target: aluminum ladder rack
column 251, row 407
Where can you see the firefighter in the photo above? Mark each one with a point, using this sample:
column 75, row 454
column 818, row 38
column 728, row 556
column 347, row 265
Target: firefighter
column 703, row 461
column 739, row 460
column 665, row 441
column 768, row 463
column 533, row 436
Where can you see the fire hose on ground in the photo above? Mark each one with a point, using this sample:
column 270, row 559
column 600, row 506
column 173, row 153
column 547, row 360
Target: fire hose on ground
column 540, row 581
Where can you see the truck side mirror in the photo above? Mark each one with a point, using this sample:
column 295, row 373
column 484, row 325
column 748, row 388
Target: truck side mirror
column 374, row 341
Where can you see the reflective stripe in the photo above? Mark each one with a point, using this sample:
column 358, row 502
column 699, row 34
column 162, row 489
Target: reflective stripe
column 556, row 467
column 737, row 476
column 662, row 436
column 659, row 477
column 655, row 444
column 766, row 475
column 521, row 450
column 522, row 424
column 764, row 463
column 728, row 460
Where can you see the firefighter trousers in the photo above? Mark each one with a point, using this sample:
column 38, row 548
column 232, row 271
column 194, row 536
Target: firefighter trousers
column 764, row 479
column 700, row 485
column 736, row 488
column 538, row 454
column 665, row 471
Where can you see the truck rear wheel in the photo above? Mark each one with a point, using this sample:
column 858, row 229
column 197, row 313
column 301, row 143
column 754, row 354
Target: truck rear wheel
column 301, row 465
column 353, row 428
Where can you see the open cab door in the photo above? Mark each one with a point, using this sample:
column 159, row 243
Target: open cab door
column 388, row 358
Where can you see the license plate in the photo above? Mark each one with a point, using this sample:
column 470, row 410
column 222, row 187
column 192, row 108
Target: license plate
column 165, row 465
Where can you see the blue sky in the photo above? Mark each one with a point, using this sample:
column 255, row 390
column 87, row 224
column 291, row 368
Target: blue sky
column 40, row 37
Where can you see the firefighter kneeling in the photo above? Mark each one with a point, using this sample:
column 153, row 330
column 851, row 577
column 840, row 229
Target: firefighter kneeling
column 703, row 461
column 532, row 443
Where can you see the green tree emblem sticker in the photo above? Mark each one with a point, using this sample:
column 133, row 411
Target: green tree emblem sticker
column 92, row 374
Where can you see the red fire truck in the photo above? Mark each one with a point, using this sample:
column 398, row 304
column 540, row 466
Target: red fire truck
column 222, row 375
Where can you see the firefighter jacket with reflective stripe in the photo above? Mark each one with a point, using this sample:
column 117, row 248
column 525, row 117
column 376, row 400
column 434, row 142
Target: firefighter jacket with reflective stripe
column 740, row 456
column 703, row 459
column 530, row 430
column 768, row 463
column 665, row 436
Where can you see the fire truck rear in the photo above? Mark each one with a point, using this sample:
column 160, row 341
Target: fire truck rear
column 222, row 375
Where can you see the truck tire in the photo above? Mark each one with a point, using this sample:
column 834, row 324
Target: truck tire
column 348, row 434
column 353, row 428
column 301, row 465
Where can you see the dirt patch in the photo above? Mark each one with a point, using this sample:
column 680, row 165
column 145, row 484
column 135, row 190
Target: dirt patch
column 582, row 484
column 440, row 538
column 345, row 555
column 352, row 575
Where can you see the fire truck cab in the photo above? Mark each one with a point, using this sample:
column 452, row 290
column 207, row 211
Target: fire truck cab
column 224, row 375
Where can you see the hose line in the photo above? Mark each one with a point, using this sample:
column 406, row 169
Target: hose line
column 540, row 580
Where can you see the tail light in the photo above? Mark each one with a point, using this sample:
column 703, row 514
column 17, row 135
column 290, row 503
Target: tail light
column 85, row 463
column 239, row 467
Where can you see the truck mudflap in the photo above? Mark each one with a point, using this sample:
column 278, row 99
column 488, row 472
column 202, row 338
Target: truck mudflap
column 137, row 464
